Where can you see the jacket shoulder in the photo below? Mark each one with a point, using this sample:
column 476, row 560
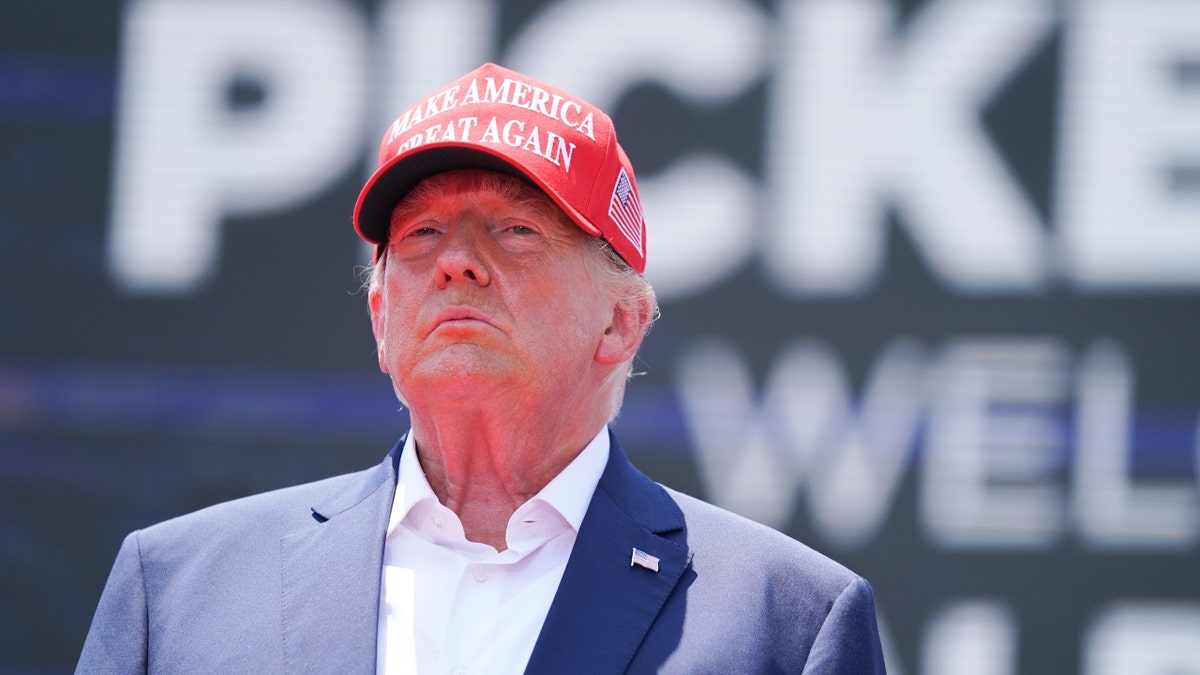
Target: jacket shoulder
column 759, row 600
column 744, row 553
column 711, row 527
column 272, row 513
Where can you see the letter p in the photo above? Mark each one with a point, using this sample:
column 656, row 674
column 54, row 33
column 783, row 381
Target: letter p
column 227, row 108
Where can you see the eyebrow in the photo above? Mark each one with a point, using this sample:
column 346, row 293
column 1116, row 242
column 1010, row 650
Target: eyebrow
column 421, row 203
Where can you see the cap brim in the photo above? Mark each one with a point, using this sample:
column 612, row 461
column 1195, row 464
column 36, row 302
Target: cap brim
column 391, row 182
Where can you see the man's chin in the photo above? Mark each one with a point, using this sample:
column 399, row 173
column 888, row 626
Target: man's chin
column 460, row 372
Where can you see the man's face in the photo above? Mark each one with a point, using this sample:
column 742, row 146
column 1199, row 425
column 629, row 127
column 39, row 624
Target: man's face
column 486, row 289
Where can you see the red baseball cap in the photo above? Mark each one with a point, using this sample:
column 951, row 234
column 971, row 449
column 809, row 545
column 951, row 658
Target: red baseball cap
column 495, row 118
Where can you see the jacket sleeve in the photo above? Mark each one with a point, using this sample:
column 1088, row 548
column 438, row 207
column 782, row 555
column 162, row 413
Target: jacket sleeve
column 117, row 640
column 848, row 641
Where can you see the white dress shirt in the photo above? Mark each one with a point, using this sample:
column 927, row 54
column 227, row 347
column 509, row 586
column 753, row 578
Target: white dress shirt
column 453, row 606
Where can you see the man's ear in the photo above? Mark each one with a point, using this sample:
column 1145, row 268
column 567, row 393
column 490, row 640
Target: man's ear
column 624, row 333
column 377, row 306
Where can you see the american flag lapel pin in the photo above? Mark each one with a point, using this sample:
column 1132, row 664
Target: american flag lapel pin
column 643, row 559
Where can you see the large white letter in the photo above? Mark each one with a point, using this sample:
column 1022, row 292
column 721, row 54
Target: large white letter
column 1129, row 215
column 1153, row 638
column 859, row 121
column 742, row 459
column 971, row 637
column 186, row 157
column 755, row 454
column 865, row 449
column 1112, row 509
column 700, row 211
column 994, row 442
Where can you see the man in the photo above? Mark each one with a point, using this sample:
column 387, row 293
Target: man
column 506, row 532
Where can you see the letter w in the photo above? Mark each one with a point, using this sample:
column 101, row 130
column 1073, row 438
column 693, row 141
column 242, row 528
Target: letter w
column 755, row 453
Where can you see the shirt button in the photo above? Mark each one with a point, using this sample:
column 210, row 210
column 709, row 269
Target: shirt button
column 479, row 573
column 460, row 671
column 439, row 519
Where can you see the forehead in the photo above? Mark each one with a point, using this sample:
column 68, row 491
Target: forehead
column 488, row 190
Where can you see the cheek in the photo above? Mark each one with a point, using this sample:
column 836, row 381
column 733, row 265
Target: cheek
column 576, row 319
column 397, row 322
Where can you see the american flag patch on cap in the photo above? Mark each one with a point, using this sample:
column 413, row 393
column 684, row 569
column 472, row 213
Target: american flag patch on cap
column 625, row 208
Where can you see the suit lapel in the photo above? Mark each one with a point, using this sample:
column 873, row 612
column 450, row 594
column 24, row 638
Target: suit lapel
column 331, row 576
column 604, row 606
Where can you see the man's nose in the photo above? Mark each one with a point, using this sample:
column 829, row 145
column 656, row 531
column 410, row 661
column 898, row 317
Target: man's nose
column 461, row 256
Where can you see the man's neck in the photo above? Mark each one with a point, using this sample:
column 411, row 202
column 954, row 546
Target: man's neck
column 484, row 463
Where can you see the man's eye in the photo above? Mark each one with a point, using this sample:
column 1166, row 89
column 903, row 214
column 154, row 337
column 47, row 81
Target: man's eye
column 521, row 229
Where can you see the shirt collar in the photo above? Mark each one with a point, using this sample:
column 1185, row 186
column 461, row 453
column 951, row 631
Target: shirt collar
column 569, row 493
column 411, row 485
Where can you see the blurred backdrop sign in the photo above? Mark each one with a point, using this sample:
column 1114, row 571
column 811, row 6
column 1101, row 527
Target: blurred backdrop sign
column 930, row 276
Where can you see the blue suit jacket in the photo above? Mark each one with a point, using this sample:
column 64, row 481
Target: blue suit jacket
column 288, row 581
